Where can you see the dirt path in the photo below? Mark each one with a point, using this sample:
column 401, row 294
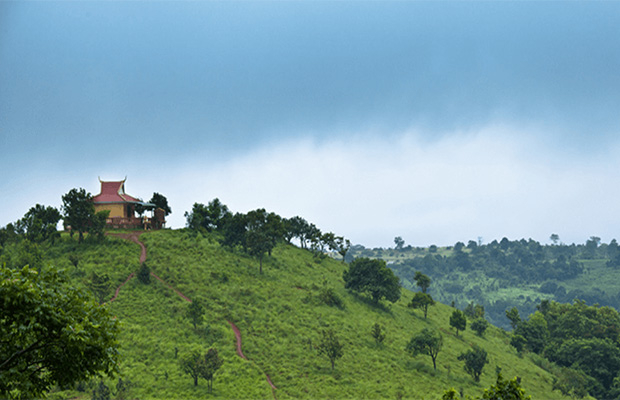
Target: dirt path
column 135, row 237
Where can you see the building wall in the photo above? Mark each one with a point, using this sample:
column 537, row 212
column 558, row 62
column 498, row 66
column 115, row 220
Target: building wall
column 116, row 210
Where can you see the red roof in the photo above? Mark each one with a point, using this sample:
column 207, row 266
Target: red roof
column 114, row 192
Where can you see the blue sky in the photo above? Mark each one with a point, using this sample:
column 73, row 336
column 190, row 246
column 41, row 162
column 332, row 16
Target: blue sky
column 434, row 121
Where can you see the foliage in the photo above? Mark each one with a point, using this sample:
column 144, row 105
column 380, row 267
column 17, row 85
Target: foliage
column 40, row 222
column 193, row 365
column 101, row 392
column 573, row 383
column 475, row 360
column 212, row 363
column 422, row 281
column 330, row 346
column 427, row 342
column 535, row 332
column 513, row 316
column 329, row 297
column 474, row 310
column 210, row 217
column 99, row 284
column 421, row 301
column 78, row 211
column 373, row 277
column 160, row 201
column 195, row 313
column 144, row 274
column 518, row 342
column 378, row 333
column 52, row 333
column 479, row 325
column 505, row 390
column 458, row 321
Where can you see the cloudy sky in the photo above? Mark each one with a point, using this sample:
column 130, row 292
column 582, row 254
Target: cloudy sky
column 434, row 121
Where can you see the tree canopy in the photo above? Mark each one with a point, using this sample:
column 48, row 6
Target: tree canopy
column 52, row 333
column 427, row 342
column 373, row 277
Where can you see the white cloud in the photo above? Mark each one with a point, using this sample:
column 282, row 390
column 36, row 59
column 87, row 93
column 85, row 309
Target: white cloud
column 491, row 183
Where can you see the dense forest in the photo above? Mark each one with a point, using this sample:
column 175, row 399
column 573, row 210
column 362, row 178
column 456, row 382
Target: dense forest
column 501, row 275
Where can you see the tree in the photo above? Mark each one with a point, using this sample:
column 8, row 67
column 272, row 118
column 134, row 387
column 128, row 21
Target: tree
column 458, row 321
column 479, row 325
column 513, row 316
column 421, row 301
column 99, row 284
column 40, row 223
column 374, row 277
column 330, row 346
column 259, row 237
column 193, row 365
column 195, row 312
column 422, row 281
column 51, row 333
column 78, row 211
column 378, row 333
column 554, row 238
column 475, row 360
column 427, row 342
column 399, row 242
column 518, row 342
column 474, row 310
column 505, row 390
column 144, row 274
column 341, row 246
column 213, row 362
column 160, row 201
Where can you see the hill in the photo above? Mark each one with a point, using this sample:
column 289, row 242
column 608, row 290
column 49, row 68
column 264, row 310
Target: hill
column 280, row 317
column 505, row 274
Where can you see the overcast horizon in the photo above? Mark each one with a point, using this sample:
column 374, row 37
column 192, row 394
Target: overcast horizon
column 434, row 121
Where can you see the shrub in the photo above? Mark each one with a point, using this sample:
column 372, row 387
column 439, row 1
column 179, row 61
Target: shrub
column 144, row 274
column 330, row 298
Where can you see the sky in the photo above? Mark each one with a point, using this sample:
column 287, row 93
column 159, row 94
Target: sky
column 436, row 121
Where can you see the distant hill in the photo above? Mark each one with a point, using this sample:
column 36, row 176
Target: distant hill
column 504, row 274
column 280, row 316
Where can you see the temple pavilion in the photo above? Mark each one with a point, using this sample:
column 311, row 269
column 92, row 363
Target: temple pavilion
column 122, row 208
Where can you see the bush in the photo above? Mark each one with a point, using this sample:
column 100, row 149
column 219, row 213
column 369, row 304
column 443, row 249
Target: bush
column 479, row 326
column 330, row 298
column 144, row 274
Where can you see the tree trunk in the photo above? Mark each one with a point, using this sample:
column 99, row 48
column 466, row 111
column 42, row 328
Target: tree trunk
column 332, row 360
column 434, row 365
column 260, row 261
column 196, row 380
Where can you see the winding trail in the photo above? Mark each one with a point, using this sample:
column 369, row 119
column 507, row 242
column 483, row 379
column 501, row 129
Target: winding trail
column 135, row 237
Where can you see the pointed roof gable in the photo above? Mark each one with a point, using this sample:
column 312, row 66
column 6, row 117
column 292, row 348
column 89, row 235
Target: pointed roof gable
column 113, row 192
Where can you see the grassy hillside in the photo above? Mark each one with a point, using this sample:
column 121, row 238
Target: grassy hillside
column 280, row 318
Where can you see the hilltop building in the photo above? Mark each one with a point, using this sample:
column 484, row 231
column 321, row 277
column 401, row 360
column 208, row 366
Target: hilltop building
column 122, row 208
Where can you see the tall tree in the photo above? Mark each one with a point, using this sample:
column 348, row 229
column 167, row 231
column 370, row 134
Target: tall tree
column 78, row 211
column 160, row 201
column 426, row 342
column 212, row 362
column 422, row 281
column 195, row 313
column 193, row 365
column 458, row 321
column 330, row 346
column 40, row 223
column 51, row 333
column 373, row 277
column 421, row 301
column 475, row 360
column 399, row 242
column 513, row 316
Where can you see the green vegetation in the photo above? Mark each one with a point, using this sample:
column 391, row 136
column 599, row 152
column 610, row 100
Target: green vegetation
column 52, row 333
column 284, row 315
column 504, row 274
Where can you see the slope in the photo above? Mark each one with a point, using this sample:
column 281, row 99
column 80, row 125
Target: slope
column 280, row 318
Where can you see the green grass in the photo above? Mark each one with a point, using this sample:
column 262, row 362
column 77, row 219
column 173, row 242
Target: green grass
column 280, row 320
